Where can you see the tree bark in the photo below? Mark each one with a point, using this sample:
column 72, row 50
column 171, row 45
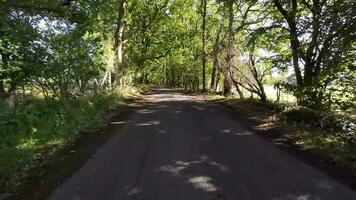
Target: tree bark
column 230, row 48
column 215, row 61
column 213, row 76
column 118, row 47
column 227, row 87
column 204, row 5
column 290, row 17
column 2, row 90
column 217, row 80
column 294, row 42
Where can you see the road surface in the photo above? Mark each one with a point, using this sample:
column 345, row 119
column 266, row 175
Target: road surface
column 177, row 148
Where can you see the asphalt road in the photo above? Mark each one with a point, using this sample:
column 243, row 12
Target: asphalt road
column 177, row 148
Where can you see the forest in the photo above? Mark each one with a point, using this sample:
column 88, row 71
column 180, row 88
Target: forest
column 64, row 64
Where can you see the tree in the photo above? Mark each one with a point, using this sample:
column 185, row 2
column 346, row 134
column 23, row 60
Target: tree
column 119, row 33
column 203, row 38
column 252, row 71
column 65, row 48
column 231, row 47
column 320, row 35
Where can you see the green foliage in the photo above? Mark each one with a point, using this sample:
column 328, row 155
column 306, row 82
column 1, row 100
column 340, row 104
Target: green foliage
column 343, row 91
column 331, row 136
column 337, row 125
column 37, row 127
column 321, row 45
column 68, row 53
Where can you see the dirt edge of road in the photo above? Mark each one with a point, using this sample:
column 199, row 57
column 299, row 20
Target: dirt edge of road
column 343, row 175
column 60, row 166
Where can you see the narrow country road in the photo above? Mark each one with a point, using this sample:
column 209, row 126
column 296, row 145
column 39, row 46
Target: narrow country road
column 177, row 148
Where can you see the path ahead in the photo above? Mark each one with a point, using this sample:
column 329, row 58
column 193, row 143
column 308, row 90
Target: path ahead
column 177, row 148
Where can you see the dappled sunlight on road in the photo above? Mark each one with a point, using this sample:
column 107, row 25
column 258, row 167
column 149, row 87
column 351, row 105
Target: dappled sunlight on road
column 131, row 191
column 167, row 95
column 185, row 169
column 225, row 131
column 146, row 111
column 244, row 133
column 176, row 168
column 176, row 147
column 203, row 183
column 118, row 123
column 240, row 133
column 297, row 197
column 324, row 184
column 149, row 123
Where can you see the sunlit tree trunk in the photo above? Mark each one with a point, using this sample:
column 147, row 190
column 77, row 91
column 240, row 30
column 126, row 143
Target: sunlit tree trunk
column 217, row 80
column 120, row 25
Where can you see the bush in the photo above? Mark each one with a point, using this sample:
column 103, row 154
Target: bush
column 335, row 124
column 37, row 127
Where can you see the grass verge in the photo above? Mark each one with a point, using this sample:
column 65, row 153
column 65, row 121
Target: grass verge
column 37, row 131
column 324, row 140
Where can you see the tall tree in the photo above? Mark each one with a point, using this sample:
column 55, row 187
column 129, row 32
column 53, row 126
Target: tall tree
column 216, row 59
column 320, row 35
column 203, row 38
column 119, row 34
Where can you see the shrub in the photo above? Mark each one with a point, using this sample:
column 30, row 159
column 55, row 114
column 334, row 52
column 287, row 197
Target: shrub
column 36, row 127
column 335, row 124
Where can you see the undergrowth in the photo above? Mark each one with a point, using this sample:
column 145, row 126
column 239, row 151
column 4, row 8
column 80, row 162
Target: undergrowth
column 330, row 135
column 36, row 128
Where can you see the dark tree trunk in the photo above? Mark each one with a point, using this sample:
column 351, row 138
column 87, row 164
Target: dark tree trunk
column 215, row 62
column 213, row 78
column 293, row 36
column 227, row 87
column 204, row 2
column 263, row 96
column 278, row 94
column 295, row 54
column 3, row 94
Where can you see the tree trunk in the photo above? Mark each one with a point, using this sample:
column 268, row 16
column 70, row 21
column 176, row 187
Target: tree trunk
column 213, row 77
column 227, row 87
column 290, row 17
column 119, row 34
column 204, row 2
column 215, row 62
column 263, row 95
column 217, row 80
column 231, row 48
column 3, row 94
column 295, row 54
column 278, row 94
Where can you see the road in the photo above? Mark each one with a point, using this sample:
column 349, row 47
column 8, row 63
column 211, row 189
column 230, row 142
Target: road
column 179, row 148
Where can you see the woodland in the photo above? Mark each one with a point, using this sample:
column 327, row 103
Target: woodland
column 65, row 63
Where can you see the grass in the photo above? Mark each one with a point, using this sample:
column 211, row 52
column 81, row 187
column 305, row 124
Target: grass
column 328, row 146
column 327, row 142
column 37, row 128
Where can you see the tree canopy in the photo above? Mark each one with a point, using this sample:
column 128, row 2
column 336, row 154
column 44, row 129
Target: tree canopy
column 65, row 48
